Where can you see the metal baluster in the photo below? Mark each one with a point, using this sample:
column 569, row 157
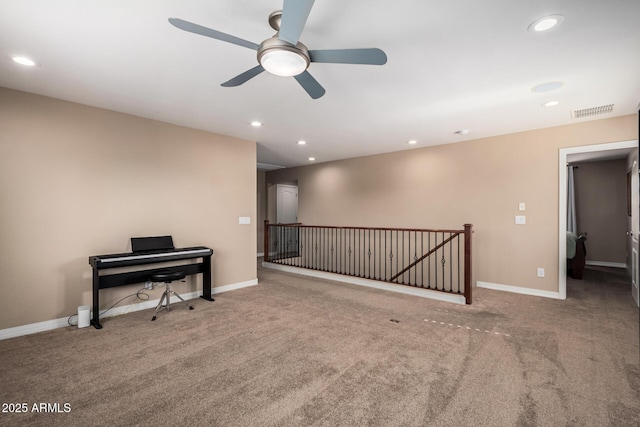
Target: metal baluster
column 334, row 249
column 385, row 255
column 369, row 253
column 450, row 265
column 422, row 263
column 359, row 255
column 287, row 255
column 403, row 261
column 441, row 261
column 323, row 237
column 323, row 248
column 397, row 252
column 416, row 278
column 458, row 243
column 340, row 253
column 435, row 275
column 379, row 253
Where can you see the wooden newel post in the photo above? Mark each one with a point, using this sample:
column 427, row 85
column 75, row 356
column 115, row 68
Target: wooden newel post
column 467, row 262
column 266, row 240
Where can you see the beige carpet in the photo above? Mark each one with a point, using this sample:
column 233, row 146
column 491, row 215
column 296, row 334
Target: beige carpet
column 295, row 351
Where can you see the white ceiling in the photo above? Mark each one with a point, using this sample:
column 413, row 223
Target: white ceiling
column 452, row 65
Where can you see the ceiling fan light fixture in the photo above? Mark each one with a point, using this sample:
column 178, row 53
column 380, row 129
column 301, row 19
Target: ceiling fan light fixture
column 283, row 59
column 283, row 63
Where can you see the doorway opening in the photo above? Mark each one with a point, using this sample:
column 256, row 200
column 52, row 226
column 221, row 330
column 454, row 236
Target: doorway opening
column 623, row 149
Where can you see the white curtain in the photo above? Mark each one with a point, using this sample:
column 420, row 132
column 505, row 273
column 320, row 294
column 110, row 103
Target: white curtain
column 572, row 224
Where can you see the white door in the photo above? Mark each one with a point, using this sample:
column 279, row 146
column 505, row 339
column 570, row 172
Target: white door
column 635, row 229
column 287, row 204
column 287, row 213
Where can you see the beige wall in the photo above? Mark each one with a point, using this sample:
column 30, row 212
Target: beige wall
column 479, row 182
column 77, row 181
column 601, row 208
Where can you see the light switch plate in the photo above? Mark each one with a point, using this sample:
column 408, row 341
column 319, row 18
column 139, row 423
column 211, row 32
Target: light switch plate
column 244, row 220
column 521, row 206
column 521, row 219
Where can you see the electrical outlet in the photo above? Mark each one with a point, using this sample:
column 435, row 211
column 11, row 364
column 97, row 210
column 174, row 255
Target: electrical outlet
column 540, row 272
column 148, row 284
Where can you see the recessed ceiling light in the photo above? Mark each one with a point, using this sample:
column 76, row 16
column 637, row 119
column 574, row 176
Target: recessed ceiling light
column 462, row 132
column 551, row 104
column 312, row 159
column 412, row 142
column 23, row 60
column 256, row 124
column 545, row 23
column 301, row 142
column 547, row 87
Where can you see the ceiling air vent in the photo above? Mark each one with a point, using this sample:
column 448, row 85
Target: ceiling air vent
column 593, row 111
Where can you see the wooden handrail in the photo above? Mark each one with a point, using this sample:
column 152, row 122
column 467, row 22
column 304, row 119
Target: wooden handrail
column 299, row 224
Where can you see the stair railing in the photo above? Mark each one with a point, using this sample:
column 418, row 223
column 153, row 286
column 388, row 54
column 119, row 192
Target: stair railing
column 438, row 260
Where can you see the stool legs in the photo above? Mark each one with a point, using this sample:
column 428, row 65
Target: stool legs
column 167, row 295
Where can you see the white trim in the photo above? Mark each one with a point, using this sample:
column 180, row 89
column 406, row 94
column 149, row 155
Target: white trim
column 606, row 264
column 562, row 202
column 260, row 254
column 519, row 290
column 233, row 286
column 141, row 305
column 33, row 328
column 418, row 292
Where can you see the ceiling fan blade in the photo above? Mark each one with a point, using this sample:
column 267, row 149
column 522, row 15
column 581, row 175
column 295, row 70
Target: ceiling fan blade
column 208, row 32
column 349, row 56
column 241, row 78
column 310, row 84
column 294, row 16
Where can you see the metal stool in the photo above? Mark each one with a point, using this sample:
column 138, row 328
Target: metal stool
column 167, row 277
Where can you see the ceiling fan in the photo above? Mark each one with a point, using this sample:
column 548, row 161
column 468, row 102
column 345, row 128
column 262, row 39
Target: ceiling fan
column 283, row 54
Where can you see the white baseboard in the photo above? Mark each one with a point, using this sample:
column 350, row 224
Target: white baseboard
column 137, row 306
column 606, row 264
column 233, row 287
column 408, row 290
column 519, row 290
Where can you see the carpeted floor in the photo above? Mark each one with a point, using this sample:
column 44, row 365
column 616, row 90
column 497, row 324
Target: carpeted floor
column 296, row 351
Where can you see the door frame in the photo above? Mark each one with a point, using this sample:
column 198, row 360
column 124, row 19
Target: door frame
column 562, row 202
column 633, row 188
